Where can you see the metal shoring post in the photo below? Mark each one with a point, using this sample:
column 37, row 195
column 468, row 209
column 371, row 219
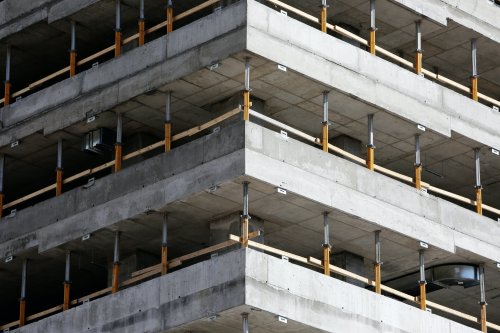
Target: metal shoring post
column 59, row 168
column 246, row 92
column 142, row 23
column 115, row 282
column 478, row 187
column 67, row 281
column 378, row 263
column 2, row 195
column 164, row 244
column 324, row 8
column 373, row 27
column 7, row 83
column 170, row 16
column 245, row 217
column 370, row 154
column 422, row 282
column 418, row 53
column 325, row 121
column 72, row 51
column 118, row 29
column 418, row 163
column 244, row 316
column 168, row 122
column 326, row 244
column 482, row 301
column 474, row 77
column 118, row 144
column 22, row 300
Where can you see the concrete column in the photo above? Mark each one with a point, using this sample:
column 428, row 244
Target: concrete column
column 418, row 53
column 59, row 168
column 422, row 282
column 378, row 263
column 164, row 245
column 326, row 244
column 8, row 85
column 2, row 195
column 245, row 217
column 118, row 29
column 115, row 281
column 244, row 316
column 67, row 281
column 142, row 23
column 246, row 92
column 325, row 122
column 168, row 121
column 373, row 27
column 370, row 155
column 72, row 51
column 478, row 186
column 418, row 163
column 22, row 299
column 118, row 145
column 474, row 77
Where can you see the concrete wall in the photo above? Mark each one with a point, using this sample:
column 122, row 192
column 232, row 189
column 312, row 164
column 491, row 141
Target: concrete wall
column 252, row 278
column 356, row 72
column 478, row 15
column 16, row 15
column 159, row 62
column 373, row 197
column 150, row 184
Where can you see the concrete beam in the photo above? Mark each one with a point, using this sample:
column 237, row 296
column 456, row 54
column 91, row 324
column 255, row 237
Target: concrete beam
column 157, row 63
column 251, row 279
column 389, row 204
column 16, row 15
column 148, row 185
column 478, row 15
column 355, row 72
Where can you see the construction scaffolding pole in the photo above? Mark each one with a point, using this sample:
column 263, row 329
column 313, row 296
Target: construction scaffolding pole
column 378, row 264
column 326, row 244
column 164, row 245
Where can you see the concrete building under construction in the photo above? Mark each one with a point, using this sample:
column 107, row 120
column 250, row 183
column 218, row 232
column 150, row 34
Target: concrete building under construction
column 263, row 166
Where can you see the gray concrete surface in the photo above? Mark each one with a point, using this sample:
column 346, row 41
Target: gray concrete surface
column 16, row 15
column 148, row 185
column 355, row 72
column 245, row 277
column 159, row 62
column 355, row 190
column 478, row 15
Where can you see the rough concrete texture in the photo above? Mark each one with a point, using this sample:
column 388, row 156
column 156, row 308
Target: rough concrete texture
column 148, row 185
column 252, row 278
column 478, row 15
column 15, row 15
column 140, row 70
column 178, row 298
column 329, row 304
column 353, row 189
column 378, row 82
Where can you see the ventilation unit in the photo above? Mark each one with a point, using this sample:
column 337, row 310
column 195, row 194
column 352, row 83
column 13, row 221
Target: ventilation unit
column 98, row 141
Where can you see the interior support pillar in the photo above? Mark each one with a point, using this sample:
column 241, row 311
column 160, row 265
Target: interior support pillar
column 245, row 217
column 72, row 51
column 170, row 16
column 482, row 301
column 118, row 145
column 168, row 121
column 418, row 164
column 478, row 186
column 142, row 23
column 418, row 52
column 118, row 29
column 115, row 281
column 326, row 244
column 246, row 92
column 373, row 27
column 370, row 154
column 325, row 122
column 422, row 282
column 164, row 245
column 324, row 8
column 378, row 264
column 67, row 281
column 474, row 77
column 59, row 168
